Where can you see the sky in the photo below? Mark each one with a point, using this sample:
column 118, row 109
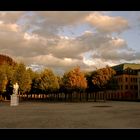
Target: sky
column 61, row 40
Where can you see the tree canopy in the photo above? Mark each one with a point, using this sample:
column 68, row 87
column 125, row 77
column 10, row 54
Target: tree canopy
column 22, row 77
column 74, row 80
column 48, row 81
column 102, row 77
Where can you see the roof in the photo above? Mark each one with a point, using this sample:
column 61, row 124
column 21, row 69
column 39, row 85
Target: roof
column 124, row 66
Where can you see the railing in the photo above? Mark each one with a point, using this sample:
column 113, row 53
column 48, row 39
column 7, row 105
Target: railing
column 76, row 97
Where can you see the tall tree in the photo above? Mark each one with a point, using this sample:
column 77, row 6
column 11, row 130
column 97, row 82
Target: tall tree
column 6, row 74
column 48, row 81
column 36, row 81
column 102, row 77
column 22, row 77
column 74, row 80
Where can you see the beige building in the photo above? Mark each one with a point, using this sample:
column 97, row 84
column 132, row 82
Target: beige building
column 128, row 80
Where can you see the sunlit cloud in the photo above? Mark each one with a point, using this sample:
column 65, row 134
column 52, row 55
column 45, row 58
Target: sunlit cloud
column 107, row 24
column 35, row 39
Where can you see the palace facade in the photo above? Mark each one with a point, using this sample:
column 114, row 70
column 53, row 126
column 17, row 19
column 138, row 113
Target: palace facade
column 128, row 81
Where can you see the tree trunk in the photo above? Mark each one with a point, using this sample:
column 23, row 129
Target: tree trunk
column 31, row 95
column 65, row 96
column 80, row 96
column 105, row 95
column 87, row 97
column 27, row 96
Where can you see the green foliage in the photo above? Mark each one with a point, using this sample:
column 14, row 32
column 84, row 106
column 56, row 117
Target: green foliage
column 32, row 73
column 35, row 87
column 48, row 81
column 6, row 74
column 22, row 77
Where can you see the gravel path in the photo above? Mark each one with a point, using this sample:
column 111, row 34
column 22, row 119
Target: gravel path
column 113, row 114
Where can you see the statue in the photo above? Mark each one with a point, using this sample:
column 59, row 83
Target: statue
column 15, row 88
column 15, row 97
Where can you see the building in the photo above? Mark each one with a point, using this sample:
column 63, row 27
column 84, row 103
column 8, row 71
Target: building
column 128, row 81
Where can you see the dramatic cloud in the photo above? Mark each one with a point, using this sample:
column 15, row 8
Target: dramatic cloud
column 35, row 39
column 11, row 16
column 50, row 23
column 107, row 24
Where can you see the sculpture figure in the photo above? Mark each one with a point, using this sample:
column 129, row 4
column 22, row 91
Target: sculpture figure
column 15, row 88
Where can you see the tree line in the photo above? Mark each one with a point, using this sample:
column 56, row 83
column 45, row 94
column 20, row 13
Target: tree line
column 47, row 84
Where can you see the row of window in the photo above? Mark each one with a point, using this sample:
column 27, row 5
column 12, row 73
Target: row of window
column 132, row 72
column 128, row 79
column 131, row 87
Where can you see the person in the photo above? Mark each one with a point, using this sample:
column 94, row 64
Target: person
column 15, row 88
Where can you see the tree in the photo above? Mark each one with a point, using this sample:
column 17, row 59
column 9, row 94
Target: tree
column 22, row 77
column 4, row 59
column 48, row 81
column 36, row 81
column 90, row 86
column 6, row 74
column 102, row 77
column 74, row 80
column 32, row 73
column 9, row 89
column 3, row 82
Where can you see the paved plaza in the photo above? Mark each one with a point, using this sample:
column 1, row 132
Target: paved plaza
column 110, row 114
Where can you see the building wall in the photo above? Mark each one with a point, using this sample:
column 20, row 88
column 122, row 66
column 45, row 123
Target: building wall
column 127, row 86
column 138, row 85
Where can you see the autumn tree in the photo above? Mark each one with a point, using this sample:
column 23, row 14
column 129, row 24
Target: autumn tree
column 74, row 80
column 90, row 86
column 3, row 82
column 34, row 75
column 102, row 77
column 22, row 77
column 48, row 82
column 4, row 59
column 6, row 74
column 35, row 86
column 60, row 82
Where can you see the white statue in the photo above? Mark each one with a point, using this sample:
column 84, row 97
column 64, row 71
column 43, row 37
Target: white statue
column 15, row 88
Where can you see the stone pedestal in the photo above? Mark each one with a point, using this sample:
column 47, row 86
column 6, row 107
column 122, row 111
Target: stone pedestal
column 14, row 100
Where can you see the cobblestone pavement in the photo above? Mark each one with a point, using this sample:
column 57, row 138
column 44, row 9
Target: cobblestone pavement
column 111, row 114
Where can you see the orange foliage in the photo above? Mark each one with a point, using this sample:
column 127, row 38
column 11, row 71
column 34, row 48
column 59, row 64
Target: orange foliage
column 6, row 59
column 75, row 79
column 102, row 76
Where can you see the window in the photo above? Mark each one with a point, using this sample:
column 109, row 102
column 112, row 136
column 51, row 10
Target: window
column 126, row 86
column 135, row 87
column 126, row 79
column 119, row 79
column 118, row 87
column 131, row 87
